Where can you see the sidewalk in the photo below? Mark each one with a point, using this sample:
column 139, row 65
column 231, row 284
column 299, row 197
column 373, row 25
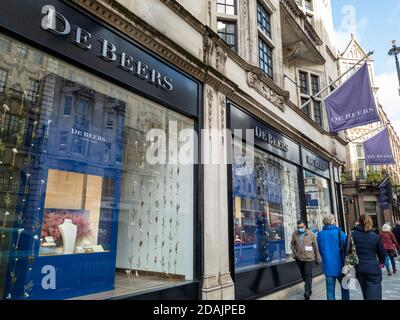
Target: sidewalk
column 390, row 287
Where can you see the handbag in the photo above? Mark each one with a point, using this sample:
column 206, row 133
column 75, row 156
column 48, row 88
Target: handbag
column 351, row 252
column 393, row 253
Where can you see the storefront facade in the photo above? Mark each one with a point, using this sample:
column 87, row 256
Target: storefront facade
column 82, row 82
column 85, row 215
column 288, row 183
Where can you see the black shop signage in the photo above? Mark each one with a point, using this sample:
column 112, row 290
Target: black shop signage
column 69, row 32
column 265, row 137
column 315, row 163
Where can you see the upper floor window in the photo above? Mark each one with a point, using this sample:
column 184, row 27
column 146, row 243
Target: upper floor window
column 315, row 84
column 3, row 79
column 318, row 113
column 226, row 7
column 305, row 4
column 264, row 19
column 5, row 45
column 306, row 108
column 308, row 4
column 227, row 31
column 22, row 52
column 33, row 90
column 82, row 110
column 265, row 57
column 37, row 58
column 303, row 76
column 68, row 106
column 314, row 107
column 11, row 124
column 110, row 120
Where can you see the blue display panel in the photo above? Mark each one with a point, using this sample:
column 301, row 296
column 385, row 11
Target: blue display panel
column 75, row 150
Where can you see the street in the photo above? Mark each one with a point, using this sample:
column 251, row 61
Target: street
column 390, row 286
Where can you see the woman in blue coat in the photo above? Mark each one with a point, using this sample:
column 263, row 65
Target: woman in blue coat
column 332, row 244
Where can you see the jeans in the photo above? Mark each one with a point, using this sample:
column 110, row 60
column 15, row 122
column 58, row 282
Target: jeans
column 391, row 259
column 331, row 286
column 306, row 274
column 371, row 285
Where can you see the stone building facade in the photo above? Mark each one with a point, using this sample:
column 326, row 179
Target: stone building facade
column 255, row 64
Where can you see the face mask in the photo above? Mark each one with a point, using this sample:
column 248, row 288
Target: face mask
column 301, row 230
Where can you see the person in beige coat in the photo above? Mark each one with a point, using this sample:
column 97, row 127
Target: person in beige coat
column 305, row 250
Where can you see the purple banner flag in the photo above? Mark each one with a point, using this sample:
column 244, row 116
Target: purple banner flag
column 352, row 104
column 378, row 150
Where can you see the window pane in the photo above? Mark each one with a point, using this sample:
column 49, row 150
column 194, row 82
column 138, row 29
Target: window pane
column 68, row 106
column 308, row 5
column 306, row 108
column 318, row 201
column 318, row 113
column 227, row 31
column 230, row 10
column 264, row 19
column 3, row 80
column 360, row 151
column 265, row 58
column 33, row 90
column 303, row 82
column 266, row 207
column 226, row 7
column 83, row 198
column 315, row 84
column 220, row 8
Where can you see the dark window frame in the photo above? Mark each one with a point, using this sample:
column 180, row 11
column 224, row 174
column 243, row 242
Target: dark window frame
column 265, row 52
column 222, row 3
column 224, row 34
column 3, row 79
column 68, row 107
column 264, row 18
column 32, row 91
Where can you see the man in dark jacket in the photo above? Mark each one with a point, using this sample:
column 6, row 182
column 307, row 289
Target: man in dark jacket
column 371, row 254
column 396, row 231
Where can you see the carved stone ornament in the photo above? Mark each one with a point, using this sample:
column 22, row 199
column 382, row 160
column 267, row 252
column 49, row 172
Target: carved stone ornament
column 263, row 89
column 222, row 100
column 208, row 50
column 220, row 61
column 210, row 100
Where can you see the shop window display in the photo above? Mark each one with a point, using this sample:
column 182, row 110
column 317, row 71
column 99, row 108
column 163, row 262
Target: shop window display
column 318, row 201
column 266, row 208
column 82, row 213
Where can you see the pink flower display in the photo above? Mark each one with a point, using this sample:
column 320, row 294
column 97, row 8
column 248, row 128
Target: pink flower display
column 54, row 217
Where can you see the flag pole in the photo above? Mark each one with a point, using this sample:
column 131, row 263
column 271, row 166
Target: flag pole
column 332, row 83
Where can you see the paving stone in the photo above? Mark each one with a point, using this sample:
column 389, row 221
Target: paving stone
column 390, row 290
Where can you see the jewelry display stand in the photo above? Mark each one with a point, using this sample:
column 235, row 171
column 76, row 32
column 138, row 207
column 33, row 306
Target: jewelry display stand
column 68, row 232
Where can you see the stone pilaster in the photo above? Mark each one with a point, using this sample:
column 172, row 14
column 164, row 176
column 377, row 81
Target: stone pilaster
column 211, row 289
column 225, row 280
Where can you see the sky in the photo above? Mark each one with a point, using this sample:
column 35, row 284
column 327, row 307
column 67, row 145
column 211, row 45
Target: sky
column 375, row 24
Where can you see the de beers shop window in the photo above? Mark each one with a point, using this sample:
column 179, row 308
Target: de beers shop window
column 266, row 206
column 82, row 211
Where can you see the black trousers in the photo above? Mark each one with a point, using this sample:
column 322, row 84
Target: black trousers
column 306, row 273
column 371, row 285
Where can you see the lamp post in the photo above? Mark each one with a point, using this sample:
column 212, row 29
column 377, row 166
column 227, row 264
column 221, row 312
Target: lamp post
column 394, row 52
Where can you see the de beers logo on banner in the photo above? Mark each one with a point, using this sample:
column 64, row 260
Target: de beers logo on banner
column 378, row 150
column 353, row 104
